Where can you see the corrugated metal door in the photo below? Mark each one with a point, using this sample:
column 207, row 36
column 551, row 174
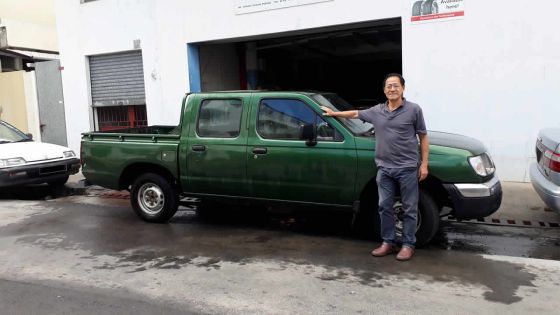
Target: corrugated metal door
column 117, row 79
column 117, row 90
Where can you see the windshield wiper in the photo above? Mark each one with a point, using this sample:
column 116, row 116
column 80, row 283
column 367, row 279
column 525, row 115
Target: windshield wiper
column 24, row 140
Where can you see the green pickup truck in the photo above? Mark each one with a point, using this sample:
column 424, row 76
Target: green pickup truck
column 276, row 149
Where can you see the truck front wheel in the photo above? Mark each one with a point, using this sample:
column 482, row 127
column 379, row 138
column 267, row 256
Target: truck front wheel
column 153, row 198
column 428, row 219
column 427, row 224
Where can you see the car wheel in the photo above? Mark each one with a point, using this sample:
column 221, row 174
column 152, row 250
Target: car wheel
column 154, row 198
column 58, row 182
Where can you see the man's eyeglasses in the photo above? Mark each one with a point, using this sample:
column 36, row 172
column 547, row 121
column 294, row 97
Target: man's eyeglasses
column 392, row 86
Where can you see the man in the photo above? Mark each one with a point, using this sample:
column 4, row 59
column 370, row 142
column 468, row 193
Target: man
column 396, row 122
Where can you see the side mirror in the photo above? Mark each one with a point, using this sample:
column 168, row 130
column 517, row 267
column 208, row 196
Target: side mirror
column 30, row 136
column 308, row 132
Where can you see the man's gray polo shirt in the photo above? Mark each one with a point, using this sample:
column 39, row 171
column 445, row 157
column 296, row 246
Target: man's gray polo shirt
column 396, row 143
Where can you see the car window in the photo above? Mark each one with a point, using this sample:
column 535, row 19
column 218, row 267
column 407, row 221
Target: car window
column 9, row 133
column 281, row 119
column 325, row 132
column 219, row 118
column 336, row 103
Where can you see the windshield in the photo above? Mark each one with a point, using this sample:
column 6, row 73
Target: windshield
column 336, row 103
column 9, row 133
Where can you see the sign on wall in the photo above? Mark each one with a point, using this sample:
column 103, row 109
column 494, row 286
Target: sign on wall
column 250, row 6
column 436, row 10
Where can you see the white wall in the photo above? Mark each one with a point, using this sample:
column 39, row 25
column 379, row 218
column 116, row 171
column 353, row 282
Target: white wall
column 214, row 20
column 30, row 23
column 491, row 75
column 100, row 27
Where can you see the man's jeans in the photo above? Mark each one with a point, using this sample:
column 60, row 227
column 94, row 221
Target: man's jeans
column 388, row 180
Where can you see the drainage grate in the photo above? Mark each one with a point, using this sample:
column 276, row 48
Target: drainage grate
column 509, row 222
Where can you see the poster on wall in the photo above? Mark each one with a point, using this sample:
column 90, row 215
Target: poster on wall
column 436, row 10
column 250, row 6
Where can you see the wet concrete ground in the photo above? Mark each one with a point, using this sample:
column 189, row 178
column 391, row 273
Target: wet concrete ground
column 237, row 261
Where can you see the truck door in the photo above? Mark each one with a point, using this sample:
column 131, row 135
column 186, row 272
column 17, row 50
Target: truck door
column 281, row 166
column 217, row 146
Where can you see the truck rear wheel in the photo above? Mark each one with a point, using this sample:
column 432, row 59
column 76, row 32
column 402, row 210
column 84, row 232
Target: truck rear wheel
column 154, row 198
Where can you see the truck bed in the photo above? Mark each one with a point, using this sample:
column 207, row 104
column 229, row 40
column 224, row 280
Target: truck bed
column 109, row 156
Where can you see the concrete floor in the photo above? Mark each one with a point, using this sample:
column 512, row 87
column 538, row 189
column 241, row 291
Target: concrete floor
column 238, row 262
column 520, row 202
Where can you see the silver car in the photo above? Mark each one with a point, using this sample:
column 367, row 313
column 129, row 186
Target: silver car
column 545, row 173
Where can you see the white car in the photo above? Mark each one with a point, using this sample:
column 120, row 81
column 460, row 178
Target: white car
column 24, row 162
column 545, row 173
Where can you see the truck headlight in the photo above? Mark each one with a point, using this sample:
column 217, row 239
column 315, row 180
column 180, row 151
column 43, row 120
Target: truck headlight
column 69, row 154
column 482, row 164
column 12, row 162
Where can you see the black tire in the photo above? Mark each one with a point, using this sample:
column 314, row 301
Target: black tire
column 154, row 198
column 429, row 211
column 58, row 182
column 417, row 8
column 368, row 224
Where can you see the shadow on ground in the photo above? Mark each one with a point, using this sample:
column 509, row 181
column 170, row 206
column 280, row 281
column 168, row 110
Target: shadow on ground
column 35, row 192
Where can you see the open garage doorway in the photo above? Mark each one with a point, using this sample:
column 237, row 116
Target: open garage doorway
column 350, row 60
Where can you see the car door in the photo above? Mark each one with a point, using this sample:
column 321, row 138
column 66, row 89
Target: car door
column 217, row 146
column 281, row 166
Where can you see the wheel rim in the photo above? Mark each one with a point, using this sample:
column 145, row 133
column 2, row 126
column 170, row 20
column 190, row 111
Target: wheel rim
column 151, row 199
column 399, row 215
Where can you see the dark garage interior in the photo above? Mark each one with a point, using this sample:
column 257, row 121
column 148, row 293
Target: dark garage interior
column 350, row 60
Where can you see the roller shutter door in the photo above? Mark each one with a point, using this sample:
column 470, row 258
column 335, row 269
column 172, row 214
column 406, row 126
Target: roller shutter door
column 117, row 79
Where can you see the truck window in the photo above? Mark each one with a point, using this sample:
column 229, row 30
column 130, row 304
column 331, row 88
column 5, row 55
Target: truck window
column 281, row 118
column 219, row 118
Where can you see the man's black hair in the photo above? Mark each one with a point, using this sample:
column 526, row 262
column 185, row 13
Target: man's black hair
column 398, row 75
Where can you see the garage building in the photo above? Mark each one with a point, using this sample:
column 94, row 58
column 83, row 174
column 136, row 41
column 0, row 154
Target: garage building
column 486, row 69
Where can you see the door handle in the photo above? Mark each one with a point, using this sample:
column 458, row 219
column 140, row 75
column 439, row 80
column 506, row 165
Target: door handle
column 198, row 148
column 260, row 150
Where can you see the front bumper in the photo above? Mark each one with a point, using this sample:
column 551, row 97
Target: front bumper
column 38, row 173
column 474, row 201
column 548, row 191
